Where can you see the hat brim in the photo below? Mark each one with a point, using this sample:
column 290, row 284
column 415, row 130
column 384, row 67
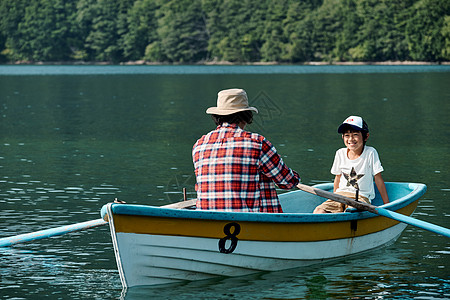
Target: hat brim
column 225, row 112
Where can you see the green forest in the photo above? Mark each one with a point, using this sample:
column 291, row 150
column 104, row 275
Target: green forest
column 236, row 31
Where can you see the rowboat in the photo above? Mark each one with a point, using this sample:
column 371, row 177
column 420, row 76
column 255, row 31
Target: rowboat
column 160, row 245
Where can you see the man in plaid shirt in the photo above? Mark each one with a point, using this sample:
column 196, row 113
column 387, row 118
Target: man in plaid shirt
column 236, row 169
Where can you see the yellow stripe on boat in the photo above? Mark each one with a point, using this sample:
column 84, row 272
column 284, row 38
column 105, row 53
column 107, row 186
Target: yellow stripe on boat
column 255, row 231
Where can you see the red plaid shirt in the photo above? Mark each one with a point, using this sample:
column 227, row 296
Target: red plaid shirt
column 236, row 171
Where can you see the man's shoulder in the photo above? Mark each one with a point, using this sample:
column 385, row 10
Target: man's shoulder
column 203, row 137
column 230, row 134
column 251, row 135
column 206, row 138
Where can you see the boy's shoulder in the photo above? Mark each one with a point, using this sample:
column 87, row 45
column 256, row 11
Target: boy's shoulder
column 370, row 149
column 370, row 153
column 341, row 150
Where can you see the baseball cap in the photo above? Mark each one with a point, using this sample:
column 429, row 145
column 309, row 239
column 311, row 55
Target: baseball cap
column 354, row 122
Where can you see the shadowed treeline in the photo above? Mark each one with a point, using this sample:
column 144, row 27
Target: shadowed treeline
column 202, row 31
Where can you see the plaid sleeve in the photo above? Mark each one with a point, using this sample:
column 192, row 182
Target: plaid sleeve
column 273, row 167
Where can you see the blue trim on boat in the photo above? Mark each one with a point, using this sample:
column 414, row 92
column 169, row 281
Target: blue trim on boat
column 403, row 193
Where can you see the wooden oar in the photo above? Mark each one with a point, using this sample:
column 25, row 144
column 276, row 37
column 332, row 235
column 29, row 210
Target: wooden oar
column 42, row 234
column 376, row 210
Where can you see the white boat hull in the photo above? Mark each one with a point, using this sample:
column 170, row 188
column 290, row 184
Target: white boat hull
column 156, row 259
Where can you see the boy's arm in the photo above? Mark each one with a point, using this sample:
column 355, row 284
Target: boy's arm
column 337, row 179
column 381, row 188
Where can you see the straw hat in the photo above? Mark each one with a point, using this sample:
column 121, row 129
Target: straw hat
column 231, row 101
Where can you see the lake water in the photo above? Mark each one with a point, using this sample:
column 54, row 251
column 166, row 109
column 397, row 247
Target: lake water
column 73, row 138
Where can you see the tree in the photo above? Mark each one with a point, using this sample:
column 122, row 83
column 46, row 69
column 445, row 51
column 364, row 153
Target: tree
column 382, row 32
column 11, row 12
column 102, row 41
column 235, row 28
column 44, row 32
column 215, row 28
column 189, row 31
column 445, row 31
column 182, row 31
column 346, row 36
column 298, row 28
column 273, row 36
column 423, row 30
column 273, row 47
column 141, row 30
column 123, row 29
column 328, row 23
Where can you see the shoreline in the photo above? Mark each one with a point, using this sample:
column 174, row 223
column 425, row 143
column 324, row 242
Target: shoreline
column 227, row 63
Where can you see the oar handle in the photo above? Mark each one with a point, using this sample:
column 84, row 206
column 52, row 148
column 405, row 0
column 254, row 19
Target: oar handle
column 37, row 235
column 181, row 204
column 338, row 198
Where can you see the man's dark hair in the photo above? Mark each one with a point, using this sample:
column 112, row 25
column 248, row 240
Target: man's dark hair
column 242, row 116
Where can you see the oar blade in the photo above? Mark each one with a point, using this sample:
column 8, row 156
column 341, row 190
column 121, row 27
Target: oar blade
column 415, row 222
column 376, row 210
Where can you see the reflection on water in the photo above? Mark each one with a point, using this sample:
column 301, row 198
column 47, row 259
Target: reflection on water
column 76, row 266
column 70, row 144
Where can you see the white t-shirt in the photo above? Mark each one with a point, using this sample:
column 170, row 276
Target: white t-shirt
column 368, row 164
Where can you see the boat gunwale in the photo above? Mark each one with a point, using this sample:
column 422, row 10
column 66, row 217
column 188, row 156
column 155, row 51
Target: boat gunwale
column 417, row 190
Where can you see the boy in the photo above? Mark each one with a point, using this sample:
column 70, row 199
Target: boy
column 355, row 167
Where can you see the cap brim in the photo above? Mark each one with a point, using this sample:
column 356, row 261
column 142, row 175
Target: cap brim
column 226, row 112
column 344, row 126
